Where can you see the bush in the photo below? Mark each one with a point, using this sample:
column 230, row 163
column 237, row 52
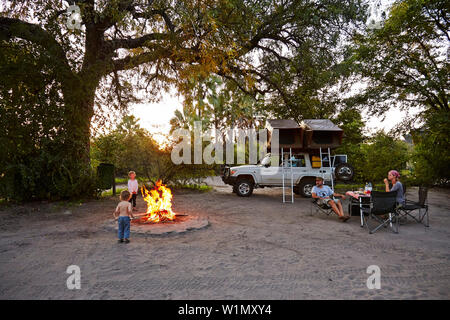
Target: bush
column 381, row 154
column 51, row 180
column 37, row 160
column 431, row 156
column 131, row 147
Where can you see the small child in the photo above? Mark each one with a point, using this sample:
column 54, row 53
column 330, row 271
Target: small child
column 124, row 213
column 133, row 188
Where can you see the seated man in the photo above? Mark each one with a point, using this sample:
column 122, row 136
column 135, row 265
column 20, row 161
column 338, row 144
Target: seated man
column 323, row 194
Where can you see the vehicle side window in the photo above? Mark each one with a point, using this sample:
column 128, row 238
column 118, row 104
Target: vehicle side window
column 301, row 162
column 298, row 161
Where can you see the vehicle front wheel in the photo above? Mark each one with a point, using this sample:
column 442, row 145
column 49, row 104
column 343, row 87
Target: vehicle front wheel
column 244, row 187
column 305, row 187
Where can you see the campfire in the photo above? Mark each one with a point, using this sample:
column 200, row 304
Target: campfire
column 159, row 204
column 159, row 218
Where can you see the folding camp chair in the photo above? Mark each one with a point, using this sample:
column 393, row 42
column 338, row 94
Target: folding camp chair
column 412, row 206
column 382, row 204
column 323, row 207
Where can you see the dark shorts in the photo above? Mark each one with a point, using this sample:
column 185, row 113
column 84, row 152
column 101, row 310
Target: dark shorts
column 133, row 199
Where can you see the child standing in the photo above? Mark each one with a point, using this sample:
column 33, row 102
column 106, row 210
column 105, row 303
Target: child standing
column 124, row 213
column 133, row 188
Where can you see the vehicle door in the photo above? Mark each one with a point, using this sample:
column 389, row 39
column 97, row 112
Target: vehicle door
column 270, row 172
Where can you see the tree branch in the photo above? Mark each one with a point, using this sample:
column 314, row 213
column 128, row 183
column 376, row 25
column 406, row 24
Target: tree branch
column 132, row 43
column 280, row 57
column 131, row 62
column 161, row 12
column 107, row 19
column 15, row 28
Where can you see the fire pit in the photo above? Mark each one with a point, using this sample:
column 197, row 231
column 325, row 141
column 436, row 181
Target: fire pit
column 159, row 217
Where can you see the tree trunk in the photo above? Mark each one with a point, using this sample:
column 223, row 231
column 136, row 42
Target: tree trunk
column 79, row 108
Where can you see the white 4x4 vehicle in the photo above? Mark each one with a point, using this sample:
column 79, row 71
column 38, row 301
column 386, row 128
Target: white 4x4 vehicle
column 247, row 177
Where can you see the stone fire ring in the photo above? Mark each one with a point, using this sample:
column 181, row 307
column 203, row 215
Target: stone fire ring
column 181, row 224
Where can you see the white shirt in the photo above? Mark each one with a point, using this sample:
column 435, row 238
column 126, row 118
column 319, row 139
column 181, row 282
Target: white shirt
column 324, row 192
column 133, row 186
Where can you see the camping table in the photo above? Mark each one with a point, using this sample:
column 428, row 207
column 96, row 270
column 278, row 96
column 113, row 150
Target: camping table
column 356, row 197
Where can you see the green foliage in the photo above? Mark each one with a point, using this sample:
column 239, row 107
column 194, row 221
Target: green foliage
column 431, row 157
column 105, row 173
column 344, row 187
column 381, row 154
column 131, row 147
column 286, row 59
column 287, row 50
column 351, row 122
column 109, row 193
column 371, row 157
column 220, row 105
column 196, row 187
column 406, row 65
column 36, row 161
column 121, row 180
column 290, row 50
column 406, row 60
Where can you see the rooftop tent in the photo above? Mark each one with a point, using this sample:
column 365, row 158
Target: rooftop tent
column 321, row 133
column 290, row 133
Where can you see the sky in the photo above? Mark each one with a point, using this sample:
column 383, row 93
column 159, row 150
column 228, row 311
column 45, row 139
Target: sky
column 155, row 117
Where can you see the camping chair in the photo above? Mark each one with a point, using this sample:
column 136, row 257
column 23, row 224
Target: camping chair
column 412, row 206
column 382, row 204
column 324, row 207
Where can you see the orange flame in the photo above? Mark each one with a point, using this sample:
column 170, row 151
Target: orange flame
column 159, row 203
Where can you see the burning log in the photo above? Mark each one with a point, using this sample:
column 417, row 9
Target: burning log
column 159, row 204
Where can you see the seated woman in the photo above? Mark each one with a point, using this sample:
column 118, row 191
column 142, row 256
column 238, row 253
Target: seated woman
column 393, row 177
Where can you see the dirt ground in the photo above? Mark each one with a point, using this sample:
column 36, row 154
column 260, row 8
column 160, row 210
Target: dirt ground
column 254, row 248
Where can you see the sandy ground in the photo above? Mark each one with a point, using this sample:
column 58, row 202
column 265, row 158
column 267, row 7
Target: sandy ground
column 254, row 248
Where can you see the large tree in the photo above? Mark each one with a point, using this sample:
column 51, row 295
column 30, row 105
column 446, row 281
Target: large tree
column 405, row 62
column 126, row 45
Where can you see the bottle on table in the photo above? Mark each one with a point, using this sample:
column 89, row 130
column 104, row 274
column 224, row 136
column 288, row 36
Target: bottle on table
column 368, row 188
